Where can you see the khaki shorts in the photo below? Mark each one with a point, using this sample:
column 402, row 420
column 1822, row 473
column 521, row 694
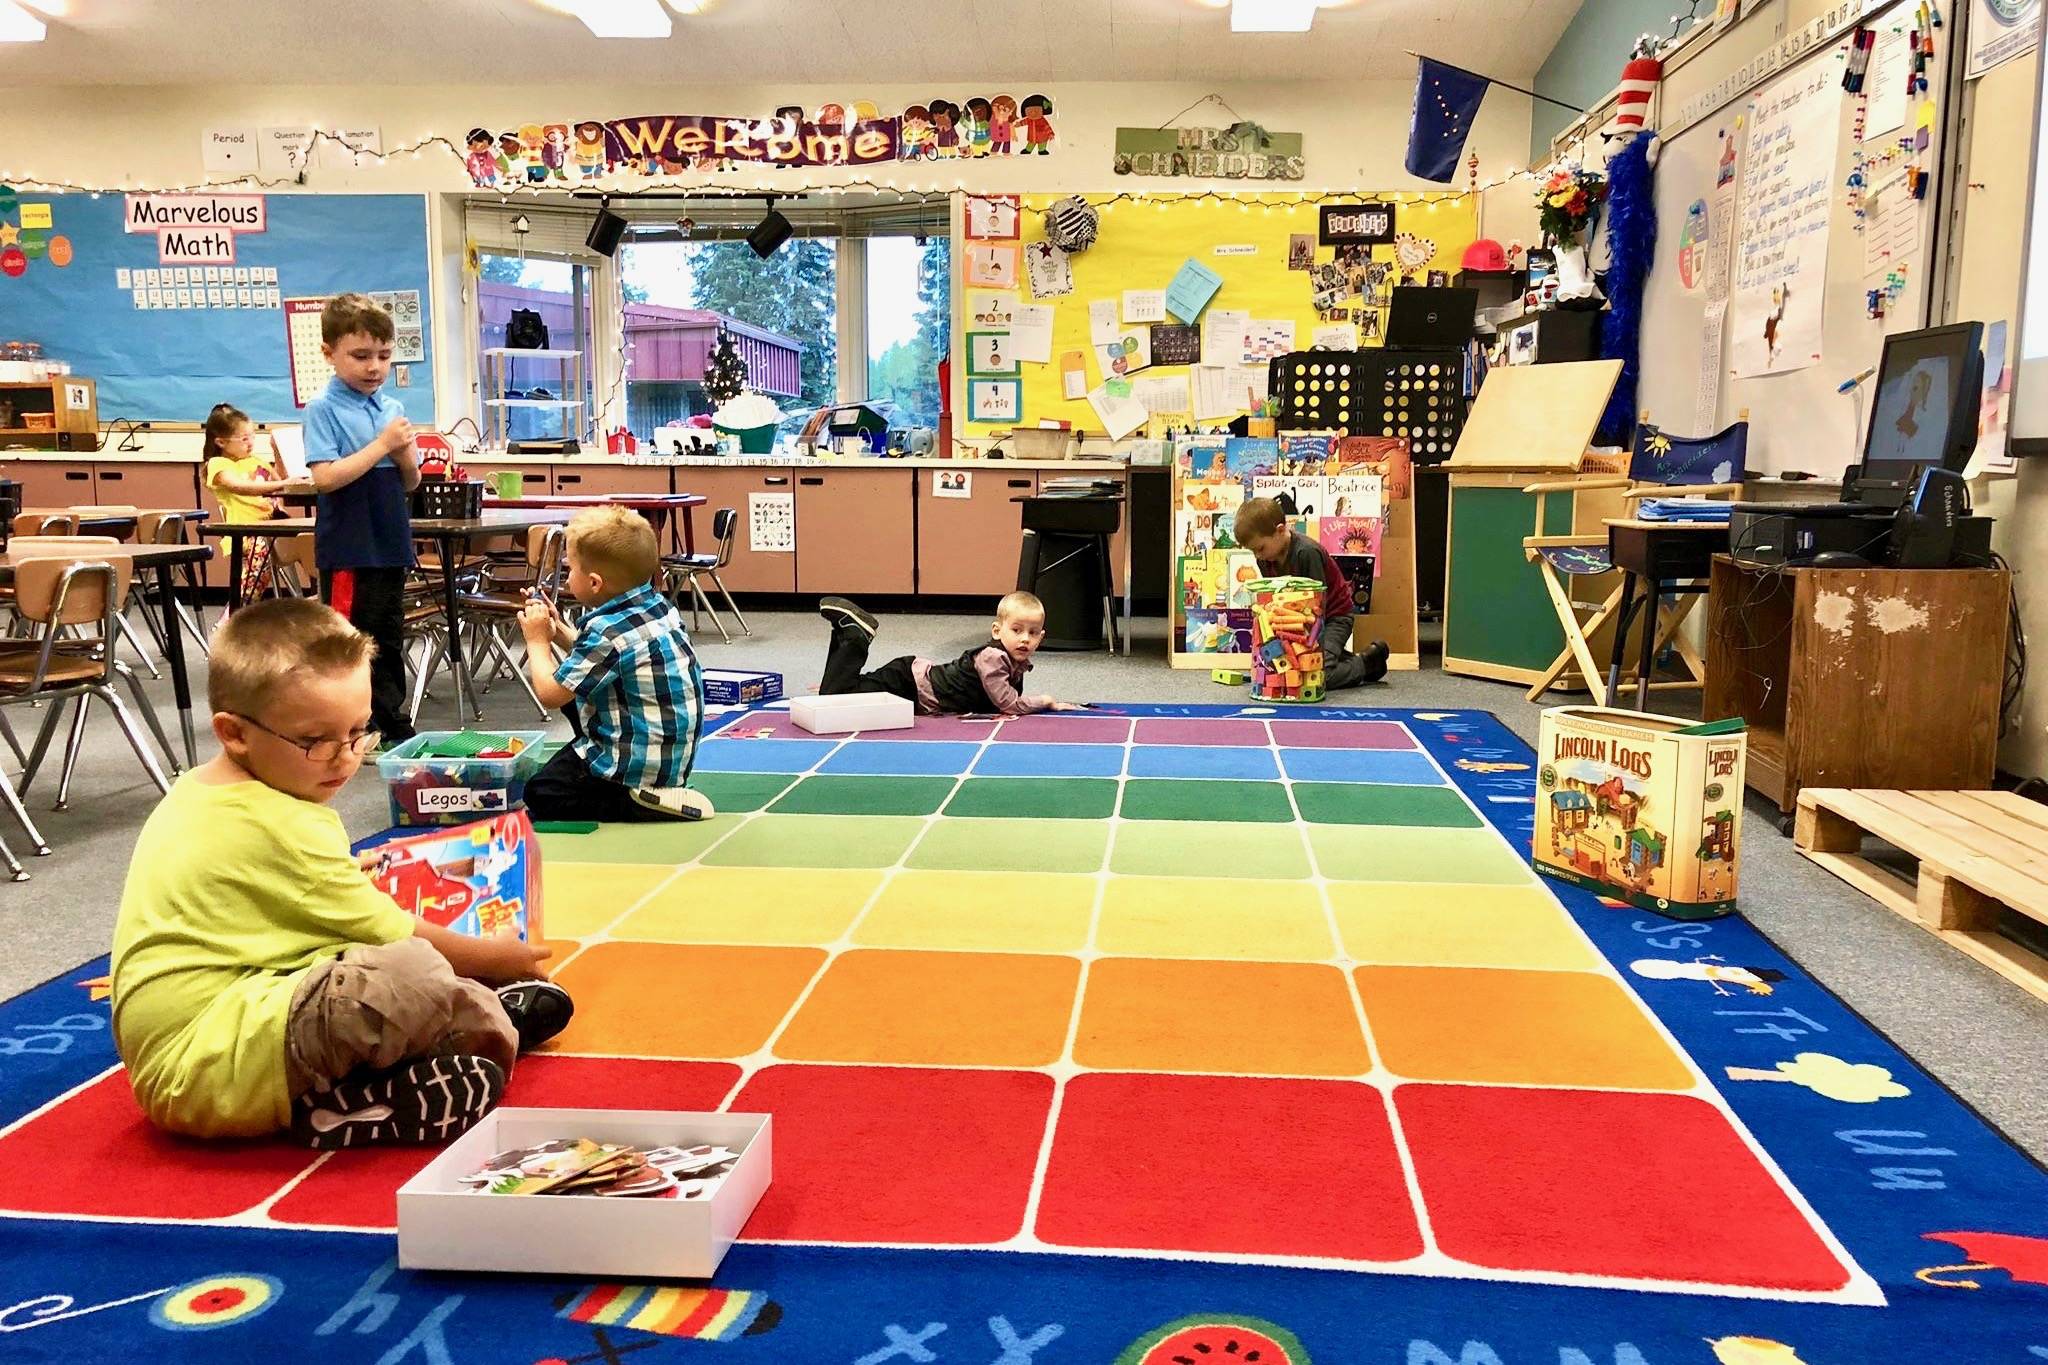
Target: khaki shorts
column 378, row 1006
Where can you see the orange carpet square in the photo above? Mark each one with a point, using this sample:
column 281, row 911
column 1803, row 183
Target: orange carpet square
column 681, row 1000
column 1241, row 1018
column 1515, row 1028
column 943, row 1009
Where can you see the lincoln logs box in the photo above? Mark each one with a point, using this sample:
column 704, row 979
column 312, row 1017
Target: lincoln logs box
column 1639, row 807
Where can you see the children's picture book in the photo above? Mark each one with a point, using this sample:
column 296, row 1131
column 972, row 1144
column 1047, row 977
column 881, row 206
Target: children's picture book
column 1386, row 456
column 1355, row 495
column 1239, row 569
column 480, row 879
column 1350, row 535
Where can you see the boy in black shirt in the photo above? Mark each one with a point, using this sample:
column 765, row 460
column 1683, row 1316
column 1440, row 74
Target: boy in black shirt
column 1262, row 528
column 985, row 680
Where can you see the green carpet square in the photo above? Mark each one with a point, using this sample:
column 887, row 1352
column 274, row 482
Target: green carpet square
column 817, row 841
column 668, row 841
column 826, row 794
column 1035, row 798
column 1188, row 848
column 1367, row 853
column 1194, row 799
column 1367, row 803
column 1012, row 846
column 737, row 793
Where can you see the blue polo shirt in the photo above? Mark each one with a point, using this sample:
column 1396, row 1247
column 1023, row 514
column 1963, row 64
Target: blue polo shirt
column 366, row 524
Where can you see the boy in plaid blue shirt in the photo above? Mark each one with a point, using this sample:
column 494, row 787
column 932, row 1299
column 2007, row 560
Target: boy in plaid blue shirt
column 629, row 683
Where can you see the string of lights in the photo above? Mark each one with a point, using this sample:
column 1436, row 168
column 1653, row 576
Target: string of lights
column 628, row 187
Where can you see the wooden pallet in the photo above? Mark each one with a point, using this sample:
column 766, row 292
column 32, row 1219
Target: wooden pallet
column 1980, row 852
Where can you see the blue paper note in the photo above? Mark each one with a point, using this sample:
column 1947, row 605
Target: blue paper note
column 1191, row 290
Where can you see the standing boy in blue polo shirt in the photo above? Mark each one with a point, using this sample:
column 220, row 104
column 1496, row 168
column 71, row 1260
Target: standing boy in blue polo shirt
column 630, row 683
column 359, row 450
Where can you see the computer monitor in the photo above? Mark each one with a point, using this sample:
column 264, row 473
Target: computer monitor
column 1923, row 413
column 1431, row 317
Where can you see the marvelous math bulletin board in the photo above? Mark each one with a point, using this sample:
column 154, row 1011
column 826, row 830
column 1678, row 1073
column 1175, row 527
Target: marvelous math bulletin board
column 1041, row 332
column 176, row 302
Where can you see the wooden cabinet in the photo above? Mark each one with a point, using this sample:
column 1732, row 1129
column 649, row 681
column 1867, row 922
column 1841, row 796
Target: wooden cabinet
column 751, row 570
column 1885, row 678
column 969, row 545
column 53, row 483
column 172, row 487
column 611, row 478
column 857, row 531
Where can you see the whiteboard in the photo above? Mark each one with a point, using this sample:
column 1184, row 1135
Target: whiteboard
column 1798, row 420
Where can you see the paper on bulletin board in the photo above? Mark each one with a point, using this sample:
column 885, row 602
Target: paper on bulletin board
column 1993, row 455
column 1338, row 336
column 1706, row 406
column 1999, row 31
column 1126, row 353
column 1891, row 61
column 1192, row 288
column 1891, row 226
column 1782, row 245
column 1074, row 375
column 1049, row 270
column 1268, row 338
column 1120, row 416
column 1211, row 392
column 1102, row 322
column 1224, row 332
column 1144, row 305
column 1167, row 395
column 993, row 266
column 990, row 310
column 1031, row 333
column 771, row 523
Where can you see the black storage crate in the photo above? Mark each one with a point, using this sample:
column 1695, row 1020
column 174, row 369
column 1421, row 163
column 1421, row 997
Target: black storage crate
column 448, row 499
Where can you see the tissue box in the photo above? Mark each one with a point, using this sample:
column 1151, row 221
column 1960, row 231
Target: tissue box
column 444, row 1225
column 852, row 711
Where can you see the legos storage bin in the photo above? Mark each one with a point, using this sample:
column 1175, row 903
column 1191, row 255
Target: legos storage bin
column 443, row 777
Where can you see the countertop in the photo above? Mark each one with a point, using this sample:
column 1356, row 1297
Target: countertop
column 497, row 460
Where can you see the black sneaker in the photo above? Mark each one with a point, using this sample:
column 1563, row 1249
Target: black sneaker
column 840, row 612
column 429, row 1099
column 538, row 1010
column 1375, row 657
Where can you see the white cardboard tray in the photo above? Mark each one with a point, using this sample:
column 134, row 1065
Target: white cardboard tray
column 443, row 1225
column 846, row 711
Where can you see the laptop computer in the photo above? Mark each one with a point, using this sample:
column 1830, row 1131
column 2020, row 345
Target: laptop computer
column 1431, row 317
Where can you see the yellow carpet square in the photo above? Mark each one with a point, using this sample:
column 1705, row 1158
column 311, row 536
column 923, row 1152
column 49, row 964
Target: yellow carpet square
column 580, row 899
column 1213, row 917
column 752, row 905
column 1417, row 924
column 1022, row 912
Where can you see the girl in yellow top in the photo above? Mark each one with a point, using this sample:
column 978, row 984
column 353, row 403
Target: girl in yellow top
column 241, row 480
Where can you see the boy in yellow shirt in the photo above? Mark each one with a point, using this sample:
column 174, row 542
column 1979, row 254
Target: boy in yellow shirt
column 260, row 981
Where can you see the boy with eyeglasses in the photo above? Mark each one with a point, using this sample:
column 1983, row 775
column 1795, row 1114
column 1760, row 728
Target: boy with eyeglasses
column 260, row 981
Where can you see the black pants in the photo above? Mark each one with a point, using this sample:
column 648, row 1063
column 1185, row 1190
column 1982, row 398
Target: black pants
column 374, row 602
column 843, row 660
column 566, row 789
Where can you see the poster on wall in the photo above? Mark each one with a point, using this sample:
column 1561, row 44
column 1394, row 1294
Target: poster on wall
column 2001, row 30
column 1782, row 223
column 771, row 523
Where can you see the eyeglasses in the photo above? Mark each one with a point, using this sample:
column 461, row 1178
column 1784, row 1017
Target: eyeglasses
column 319, row 750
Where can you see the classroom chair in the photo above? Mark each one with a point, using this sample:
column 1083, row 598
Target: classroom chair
column 168, row 528
column 689, row 569
column 492, row 607
column 45, row 524
column 292, row 569
column 1660, row 466
column 72, row 595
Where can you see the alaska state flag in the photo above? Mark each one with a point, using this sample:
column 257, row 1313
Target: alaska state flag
column 1446, row 101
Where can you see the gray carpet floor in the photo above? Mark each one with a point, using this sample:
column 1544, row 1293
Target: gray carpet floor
column 1981, row 1035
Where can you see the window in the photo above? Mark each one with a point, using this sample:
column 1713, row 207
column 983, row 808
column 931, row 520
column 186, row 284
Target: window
column 528, row 397
column 909, row 316
column 782, row 314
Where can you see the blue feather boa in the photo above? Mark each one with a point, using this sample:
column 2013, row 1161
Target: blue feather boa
column 1632, row 245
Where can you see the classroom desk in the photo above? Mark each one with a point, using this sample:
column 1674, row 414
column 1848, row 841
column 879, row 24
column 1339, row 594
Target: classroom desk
column 1858, row 677
column 659, row 508
column 452, row 535
column 163, row 561
column 1661, row 553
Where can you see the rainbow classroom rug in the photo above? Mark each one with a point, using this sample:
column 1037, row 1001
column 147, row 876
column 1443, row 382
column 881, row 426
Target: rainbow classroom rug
column 1178, row 1035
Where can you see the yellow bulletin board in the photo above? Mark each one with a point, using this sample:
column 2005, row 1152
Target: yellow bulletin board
column 1142, row 244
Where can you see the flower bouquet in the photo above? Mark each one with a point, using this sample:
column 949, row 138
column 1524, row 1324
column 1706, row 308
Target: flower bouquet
column 1567, row 203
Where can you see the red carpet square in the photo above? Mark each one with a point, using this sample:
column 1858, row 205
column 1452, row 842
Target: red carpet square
column 1585, row 1182
column 1227, row 1166
column 360, row 1189
column 889, row 1154
column 96, row 1154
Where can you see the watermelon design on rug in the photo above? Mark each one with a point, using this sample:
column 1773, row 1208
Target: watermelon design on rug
column 1214, row 1339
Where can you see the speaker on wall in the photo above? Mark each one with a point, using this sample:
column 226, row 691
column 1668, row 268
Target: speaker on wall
column 769, row 234
column 605, row 231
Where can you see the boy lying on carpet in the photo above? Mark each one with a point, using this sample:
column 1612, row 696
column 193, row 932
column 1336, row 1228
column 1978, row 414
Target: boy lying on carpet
column 259, row 980
column 1262, row 528
column 987, row 679
column 629, row 683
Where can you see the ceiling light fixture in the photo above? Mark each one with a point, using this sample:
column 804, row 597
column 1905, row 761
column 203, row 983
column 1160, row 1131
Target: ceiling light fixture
column 623, row 18
column 17, row 25
column 1271, row 16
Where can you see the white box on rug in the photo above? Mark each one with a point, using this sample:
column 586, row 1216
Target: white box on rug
column 445, row 1225
column 852, row 711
